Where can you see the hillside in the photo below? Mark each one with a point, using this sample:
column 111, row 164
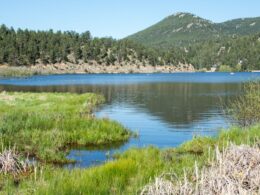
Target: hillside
column 242, row 26
column 184, row 29
column 190, row 41
column 28, row 47
column 236, row 53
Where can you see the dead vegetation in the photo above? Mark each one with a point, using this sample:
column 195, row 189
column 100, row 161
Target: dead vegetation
column 234, row 171
column 11, row 163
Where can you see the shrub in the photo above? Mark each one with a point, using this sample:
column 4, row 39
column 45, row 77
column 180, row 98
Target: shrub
column 245, row 109
column 225, row 68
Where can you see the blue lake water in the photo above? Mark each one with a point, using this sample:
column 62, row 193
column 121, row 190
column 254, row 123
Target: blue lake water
column 165, row 109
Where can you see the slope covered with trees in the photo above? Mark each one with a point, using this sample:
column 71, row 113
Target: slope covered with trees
column 237, row 54
column 26, row 47
column 184, row 29
column 201, row 43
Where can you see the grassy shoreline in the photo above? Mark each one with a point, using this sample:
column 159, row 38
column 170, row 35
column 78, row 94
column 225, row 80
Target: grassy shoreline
column 43, row 123
column 16, row 72
column 133, row 169
column 46, row 125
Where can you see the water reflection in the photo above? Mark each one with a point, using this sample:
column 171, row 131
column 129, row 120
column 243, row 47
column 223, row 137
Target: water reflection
column 176, row 103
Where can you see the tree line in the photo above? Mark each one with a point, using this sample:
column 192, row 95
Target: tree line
column 27, row 47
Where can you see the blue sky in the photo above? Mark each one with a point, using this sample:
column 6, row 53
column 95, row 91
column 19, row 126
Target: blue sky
column 116, row 18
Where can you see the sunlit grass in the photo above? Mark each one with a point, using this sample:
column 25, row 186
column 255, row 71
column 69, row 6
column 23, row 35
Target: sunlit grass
column 16, row 72
column 44, row 125
column 135, row 168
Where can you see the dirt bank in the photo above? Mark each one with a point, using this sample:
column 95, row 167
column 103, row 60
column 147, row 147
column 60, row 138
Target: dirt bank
column 63, row 68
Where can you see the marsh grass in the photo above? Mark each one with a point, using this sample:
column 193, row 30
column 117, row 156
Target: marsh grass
column 135, row 168
column 16, row 72
column 45, row 125
column 48, row 125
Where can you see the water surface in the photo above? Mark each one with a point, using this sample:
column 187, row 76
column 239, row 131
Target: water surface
column 165, row 109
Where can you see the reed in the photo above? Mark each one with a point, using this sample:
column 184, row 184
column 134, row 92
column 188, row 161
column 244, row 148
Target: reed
column 17, row 72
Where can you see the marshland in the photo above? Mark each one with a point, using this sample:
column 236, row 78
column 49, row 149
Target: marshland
column 130, row 97
column 72, row 139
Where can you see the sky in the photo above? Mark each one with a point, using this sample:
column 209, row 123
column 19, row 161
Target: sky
column 116, row 18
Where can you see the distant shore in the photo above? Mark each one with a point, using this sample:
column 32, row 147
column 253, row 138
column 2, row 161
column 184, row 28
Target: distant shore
column 86, row 68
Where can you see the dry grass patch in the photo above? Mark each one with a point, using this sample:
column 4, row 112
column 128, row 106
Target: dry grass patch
column 11, row 162
column 234, row 171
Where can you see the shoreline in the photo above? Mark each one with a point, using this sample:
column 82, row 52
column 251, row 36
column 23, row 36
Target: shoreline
column 136, row 164
column 86, row 68
column 66, row 116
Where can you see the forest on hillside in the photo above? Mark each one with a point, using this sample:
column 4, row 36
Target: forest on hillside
column 228, row 54
column 182, row 29
column 27, row 47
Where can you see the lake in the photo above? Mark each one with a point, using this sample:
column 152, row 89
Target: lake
column 165, row 109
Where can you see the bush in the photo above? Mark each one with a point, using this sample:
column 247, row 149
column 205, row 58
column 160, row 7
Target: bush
column 245, row 109
column 225, row 68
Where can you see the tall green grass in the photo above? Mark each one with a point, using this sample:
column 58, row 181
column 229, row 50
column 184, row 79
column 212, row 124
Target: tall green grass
column 44, row 125
column 17, row 72
column 134, row 168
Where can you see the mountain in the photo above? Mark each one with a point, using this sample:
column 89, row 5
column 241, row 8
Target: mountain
column 182, row 29
column 185, row 38
column 239, row 53
column 242, row 26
